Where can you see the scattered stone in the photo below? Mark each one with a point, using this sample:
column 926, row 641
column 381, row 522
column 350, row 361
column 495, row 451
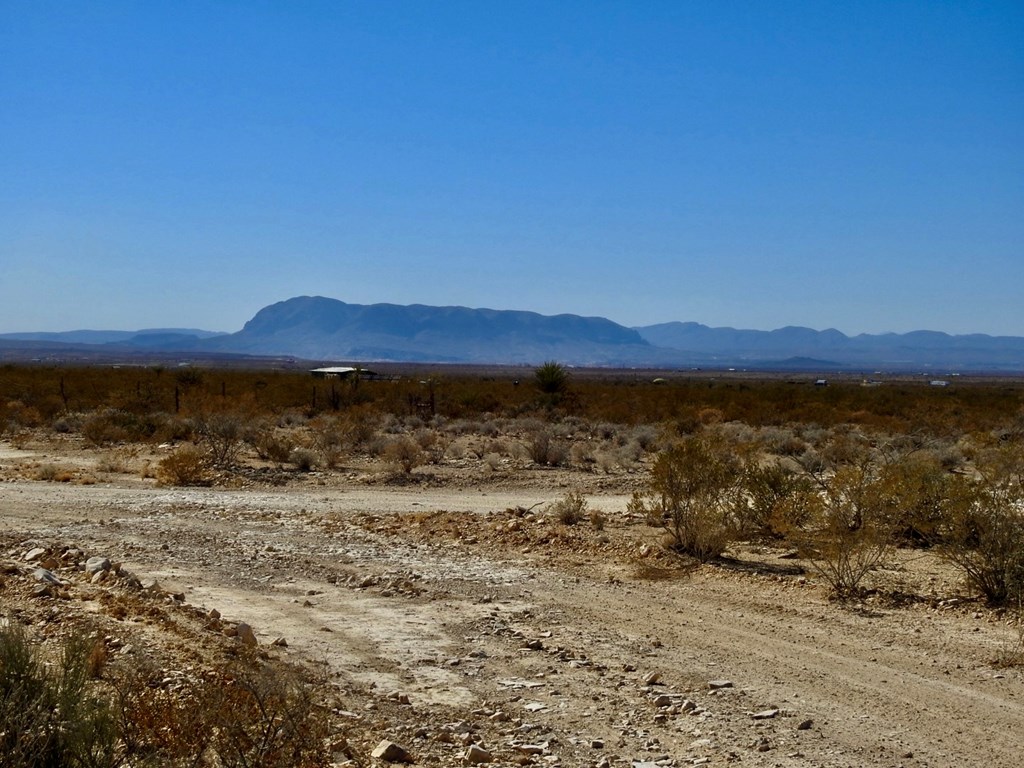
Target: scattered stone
column 652, row 679
column 530, row 749
column 96, row 564
column 596, row 744
column 717, row 685
column 805, row 725
column 214, row 614
column 476, row 754
column 244, row 633
column 280, row 642
column 664, row 700
column 391, row 752
column 766, row 714
column 34, row 554
column 47, row 577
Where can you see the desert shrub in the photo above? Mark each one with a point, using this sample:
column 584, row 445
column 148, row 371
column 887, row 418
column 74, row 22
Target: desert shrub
column 249, row 714
column 304, row 459
column 16, row 415
column 432, row 443
column 492, row 461
column 544, row 449
column 117, row 461
column 265, row 716
column 185, row 466
column 405, row 452
column 68, row 423
column 53, row 473
column 581, row 454
column 776, row 500
column 290, row 418
column 269, row 444
column 923, row 499
column 692, row 492
column 986, row 537
column 570, row 509
column 851, row 532
column 221, row 433
column 106, row 427
column 50, row 715
column 646, row 436
column 597, row 520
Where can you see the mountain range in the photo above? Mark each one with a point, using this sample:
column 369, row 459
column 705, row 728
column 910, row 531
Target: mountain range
column 319, row 328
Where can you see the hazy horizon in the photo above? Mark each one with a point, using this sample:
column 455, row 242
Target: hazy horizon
column 735, row 164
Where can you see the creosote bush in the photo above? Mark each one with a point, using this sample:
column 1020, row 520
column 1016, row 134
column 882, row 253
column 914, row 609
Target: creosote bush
column 693, row 491
column 571, row 509
column 186, row 466
column 985, row 538
column 851, row 532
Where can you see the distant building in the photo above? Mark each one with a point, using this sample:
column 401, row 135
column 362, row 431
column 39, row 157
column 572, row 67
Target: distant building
column 939, row 383
column 342, row 372
column 821, row 383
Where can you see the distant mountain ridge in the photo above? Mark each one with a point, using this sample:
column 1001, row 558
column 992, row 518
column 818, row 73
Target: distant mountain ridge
column 109, row 337
column 319, row 328
column 316, row 327
column 925, row 349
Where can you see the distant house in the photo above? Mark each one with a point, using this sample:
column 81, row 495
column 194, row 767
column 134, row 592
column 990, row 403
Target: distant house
column 939, row 383
column 342, row 372
column 821, row 383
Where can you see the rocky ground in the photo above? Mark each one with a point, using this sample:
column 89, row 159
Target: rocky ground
column 454, row 615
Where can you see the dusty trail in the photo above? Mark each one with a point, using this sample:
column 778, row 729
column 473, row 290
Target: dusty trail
column 450, row 624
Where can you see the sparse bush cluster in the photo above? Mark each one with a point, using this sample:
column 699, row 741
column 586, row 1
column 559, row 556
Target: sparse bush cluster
column 843, row 474
column 69, row 708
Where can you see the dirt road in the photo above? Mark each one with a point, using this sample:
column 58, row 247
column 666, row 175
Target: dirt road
column 555, row 647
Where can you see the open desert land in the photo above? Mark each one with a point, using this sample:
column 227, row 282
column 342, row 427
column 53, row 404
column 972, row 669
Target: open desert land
column 452, row 610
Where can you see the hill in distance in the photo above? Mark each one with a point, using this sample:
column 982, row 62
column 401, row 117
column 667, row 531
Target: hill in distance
column 319, row 328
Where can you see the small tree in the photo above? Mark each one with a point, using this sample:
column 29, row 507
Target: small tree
column 694, row 489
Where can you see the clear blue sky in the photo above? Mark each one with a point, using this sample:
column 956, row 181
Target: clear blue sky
column 754, row 164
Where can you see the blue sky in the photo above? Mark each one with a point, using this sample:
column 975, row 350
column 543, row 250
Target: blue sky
column 849, row 165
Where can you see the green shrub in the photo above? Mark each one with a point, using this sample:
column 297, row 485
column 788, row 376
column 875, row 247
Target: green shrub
column 693, row 491
column 777, row 501
column 49, row 713
column 986, row 537
column 851, row 532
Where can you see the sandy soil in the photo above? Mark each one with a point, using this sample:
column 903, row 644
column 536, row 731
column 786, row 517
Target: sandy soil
column 547, row 644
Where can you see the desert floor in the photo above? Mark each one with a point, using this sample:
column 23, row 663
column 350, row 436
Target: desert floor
column 452, row 607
